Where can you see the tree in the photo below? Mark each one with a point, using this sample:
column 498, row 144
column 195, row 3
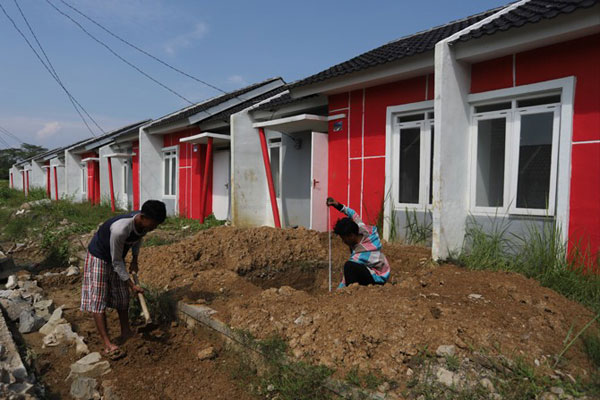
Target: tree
column 8, row 157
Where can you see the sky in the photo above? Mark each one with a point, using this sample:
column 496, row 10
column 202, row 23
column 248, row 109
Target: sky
column 228, row 44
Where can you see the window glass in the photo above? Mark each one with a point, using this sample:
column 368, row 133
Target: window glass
column 167, row 175
column 275, row 170
column 411, row 118
column 410, row 154
column 535, row 158
column 84, row 179
column 491, row 137
column 538, row 101
column 173, row 174
column 493, row 107
column 431, row 167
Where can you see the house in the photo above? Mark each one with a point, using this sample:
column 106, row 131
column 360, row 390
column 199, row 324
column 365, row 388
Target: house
column 85, row 174
column 185, row 155
column 279, row 159
column 517, row 106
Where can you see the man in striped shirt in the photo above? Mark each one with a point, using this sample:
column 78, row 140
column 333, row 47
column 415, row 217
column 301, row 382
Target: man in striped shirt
column 367, row 264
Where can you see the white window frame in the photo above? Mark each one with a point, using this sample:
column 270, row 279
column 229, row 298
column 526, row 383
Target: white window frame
column 169, row 153
column 278, row 145
column 84, row 178
column 512, row 138
column 426, row 126
column 125, row 171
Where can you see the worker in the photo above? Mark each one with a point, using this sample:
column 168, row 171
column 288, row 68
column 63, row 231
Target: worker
column 106, row 282
column 367, row 264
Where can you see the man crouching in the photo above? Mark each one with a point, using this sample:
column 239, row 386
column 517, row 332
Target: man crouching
column 367, row 264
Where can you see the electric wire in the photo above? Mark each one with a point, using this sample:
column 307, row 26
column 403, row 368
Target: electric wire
column 74, row 101
column 6, row 145
column 117, row 54
column 166, row 64
column 37, row 55
column 9, row 133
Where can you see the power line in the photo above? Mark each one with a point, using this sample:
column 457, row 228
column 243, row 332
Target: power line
column 8, row 146
column 71, row 98
column 116, row 54
column 141, row 50
column 9, row 133
column 38, row 57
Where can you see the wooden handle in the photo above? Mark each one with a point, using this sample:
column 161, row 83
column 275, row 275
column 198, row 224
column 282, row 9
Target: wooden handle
column 142, row 300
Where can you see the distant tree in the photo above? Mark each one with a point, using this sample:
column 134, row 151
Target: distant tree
column 8, row 157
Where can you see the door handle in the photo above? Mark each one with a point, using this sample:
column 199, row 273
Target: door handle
column 315, row 183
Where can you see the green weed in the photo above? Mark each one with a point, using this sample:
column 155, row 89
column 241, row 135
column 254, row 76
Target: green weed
column 161, row 305
column 591, row 342
column 417, row 232
column 452, row 362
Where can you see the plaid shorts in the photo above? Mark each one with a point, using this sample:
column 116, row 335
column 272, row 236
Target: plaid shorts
column 102, row 287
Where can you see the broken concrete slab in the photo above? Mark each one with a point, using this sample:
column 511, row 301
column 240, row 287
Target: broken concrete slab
column 445, row 351
column 30, row 322
column 89, row 366
column 12, row 282
column 72, row 271
column 84, row 388
column 63, row 335
column 12, row 360
column 55, row 319
column 14, row 307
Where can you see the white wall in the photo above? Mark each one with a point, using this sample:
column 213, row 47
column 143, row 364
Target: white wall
column 249, row 193
column 72, row 173
column 17, row 178
column 151, row 179
column 121, row 199
column 37, row 175
column 60, row 177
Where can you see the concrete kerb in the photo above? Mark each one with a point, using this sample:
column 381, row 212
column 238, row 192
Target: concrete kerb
column 11, row 360
column 192, row 314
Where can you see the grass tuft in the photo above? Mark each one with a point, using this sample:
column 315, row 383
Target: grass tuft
column 161, row 305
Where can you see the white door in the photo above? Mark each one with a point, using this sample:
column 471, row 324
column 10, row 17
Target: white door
column 318, row 179
column 221, row 184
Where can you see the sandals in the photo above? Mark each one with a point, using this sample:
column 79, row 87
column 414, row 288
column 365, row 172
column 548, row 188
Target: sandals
column 114, row 355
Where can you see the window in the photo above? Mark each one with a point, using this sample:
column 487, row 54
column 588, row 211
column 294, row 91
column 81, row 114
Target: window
column 413, row 170
column 125, row 176
column 84, row 179
column 275, row 160
column 514, row 156
column 170, row 171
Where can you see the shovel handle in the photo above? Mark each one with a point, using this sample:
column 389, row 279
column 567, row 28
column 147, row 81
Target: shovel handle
column 142, row 299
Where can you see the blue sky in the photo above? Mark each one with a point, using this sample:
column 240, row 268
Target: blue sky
column 227, row 43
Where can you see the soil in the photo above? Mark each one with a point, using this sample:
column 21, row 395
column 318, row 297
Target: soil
column 270, row 281
column 275, row 282
column 162, row 364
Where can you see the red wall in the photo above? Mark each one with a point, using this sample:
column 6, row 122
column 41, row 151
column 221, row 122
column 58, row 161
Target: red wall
column 12, row 182
column 135, row 174
column 579, row 58
column 191, row 159
column 357, row 151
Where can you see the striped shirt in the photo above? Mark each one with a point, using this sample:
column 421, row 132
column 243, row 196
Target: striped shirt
column 368, row 251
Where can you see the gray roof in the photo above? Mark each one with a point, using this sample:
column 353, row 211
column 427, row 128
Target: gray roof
column 199, row 107
column 530, row 12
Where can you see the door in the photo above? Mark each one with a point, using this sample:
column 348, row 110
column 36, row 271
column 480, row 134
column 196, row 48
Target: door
column 220, row 182
column 318, row 178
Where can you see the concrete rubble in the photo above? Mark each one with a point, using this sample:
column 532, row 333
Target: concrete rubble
column 90, row 366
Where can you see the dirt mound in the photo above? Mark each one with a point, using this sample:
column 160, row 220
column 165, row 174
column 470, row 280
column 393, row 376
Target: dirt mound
column 380, row 328
column 267, row 257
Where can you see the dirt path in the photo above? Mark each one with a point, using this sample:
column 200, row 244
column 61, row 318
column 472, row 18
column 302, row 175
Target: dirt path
column 163, row 367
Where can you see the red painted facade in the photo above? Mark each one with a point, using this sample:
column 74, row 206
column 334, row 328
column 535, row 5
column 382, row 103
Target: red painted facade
column 135, row 174
column 579, row 58
column 191, row 163
column 357, row 148
column 93, row 178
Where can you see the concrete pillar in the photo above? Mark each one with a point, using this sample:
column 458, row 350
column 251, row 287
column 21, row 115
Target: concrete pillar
column 151, row 165
column 73, row 170
column 249, row 193
column 451, row 152
column 60, row 175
